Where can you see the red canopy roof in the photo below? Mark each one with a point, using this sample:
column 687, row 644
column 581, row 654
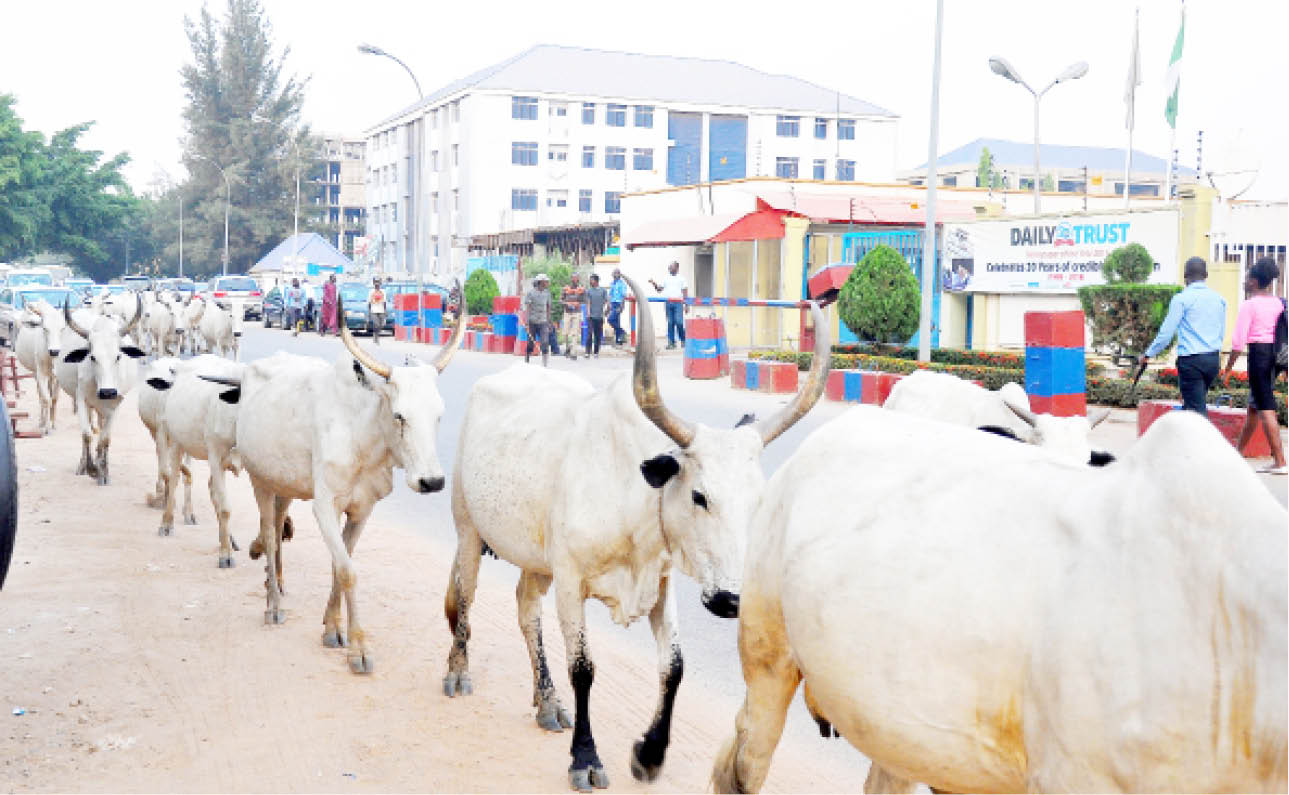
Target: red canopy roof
column 840, row 208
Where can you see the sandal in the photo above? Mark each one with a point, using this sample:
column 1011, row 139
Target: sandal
column 1272, row 469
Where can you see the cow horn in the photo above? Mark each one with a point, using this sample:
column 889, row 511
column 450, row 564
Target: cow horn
column 382, row 370
column 71, row 323
column 1099, row 417
column 644, row 377
column 458, row 332
column 1020, row 411
column 138, row 313
column 816, row 380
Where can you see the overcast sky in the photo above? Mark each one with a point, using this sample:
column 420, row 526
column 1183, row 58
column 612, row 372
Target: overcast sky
column 118, row 62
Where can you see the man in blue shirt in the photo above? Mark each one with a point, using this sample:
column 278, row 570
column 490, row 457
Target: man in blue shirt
column 1197, row 317
column 293, row 299
column 617, row 297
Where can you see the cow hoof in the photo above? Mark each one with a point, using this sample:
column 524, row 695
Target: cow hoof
column 226, row 561
column 332, row 639
column 583, row 780
column 190, row 519
column 553, row 718
column 155, row 501
column 361, row 663
column 274, row 616
column 164, row 530
column 256, row 550
column 643, row 771
column 457, row 684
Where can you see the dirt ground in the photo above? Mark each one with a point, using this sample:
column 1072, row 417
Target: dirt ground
column 142, row 667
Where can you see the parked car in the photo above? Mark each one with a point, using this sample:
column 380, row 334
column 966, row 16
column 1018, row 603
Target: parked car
column 14, row 299
column 25, row 276
column 185, row 287
column 138, row 282
column 357, row 315
column 223, row 289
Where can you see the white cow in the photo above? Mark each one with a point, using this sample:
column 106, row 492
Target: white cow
column 333, row 433
column 38, row 343
column 188, row 324
column 96, row 370
column 191, row 422
column 682, row 496
column 152, row 401
column 222, row 329
column 979, row 615
column 163, row 330
column 945, row 397
column 122, row 305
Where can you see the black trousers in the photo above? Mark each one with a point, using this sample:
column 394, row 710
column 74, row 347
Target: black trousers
column 540, row 334
column 1195, row 375
column 594, row 334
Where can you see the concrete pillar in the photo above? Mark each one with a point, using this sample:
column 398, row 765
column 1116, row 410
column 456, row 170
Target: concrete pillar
column 794, row 258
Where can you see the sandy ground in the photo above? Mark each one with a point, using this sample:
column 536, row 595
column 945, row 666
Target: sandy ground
column 142, row 667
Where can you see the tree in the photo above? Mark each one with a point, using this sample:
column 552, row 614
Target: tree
column 1127, row 264
column 243, row 114
column 880, row 299
column 560, row 274
column 1048, row 183
column 22, row 208
column 1124, row 313
column 480, row 289
column 985, row 168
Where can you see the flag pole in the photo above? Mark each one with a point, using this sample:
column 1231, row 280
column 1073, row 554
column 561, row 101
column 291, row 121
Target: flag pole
column 1170, row 106
column 1134, row 71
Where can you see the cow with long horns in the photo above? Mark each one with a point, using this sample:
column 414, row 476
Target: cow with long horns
column 333, row 433
column 97, row 370
column 683, row 495
column 38, row 344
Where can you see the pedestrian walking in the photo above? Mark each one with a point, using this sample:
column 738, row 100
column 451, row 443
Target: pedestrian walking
column 293, row 299
column 617, row 299
column 1197, row 317
column 329, row 294
column 537, row 310
column 1255, row 326
column 676, row 291
column 597, row 298
column 376, row 310
column 571, row 298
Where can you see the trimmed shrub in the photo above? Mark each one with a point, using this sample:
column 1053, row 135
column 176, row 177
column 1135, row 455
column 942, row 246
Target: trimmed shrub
column 480, row 289
column 879, row 300
column 1126, row 317
column 1128, row 264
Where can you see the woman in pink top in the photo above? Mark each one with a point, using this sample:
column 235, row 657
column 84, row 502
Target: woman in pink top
column 1255, row 325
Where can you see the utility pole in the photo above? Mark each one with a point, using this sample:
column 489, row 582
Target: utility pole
column 1085, row 188
column 928, row 235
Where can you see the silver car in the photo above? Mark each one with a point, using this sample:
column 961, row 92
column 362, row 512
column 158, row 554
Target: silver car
column 224, row 289
column 14, row 299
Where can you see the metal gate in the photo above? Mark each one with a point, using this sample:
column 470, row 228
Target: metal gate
column 854, row 245
column 684, row 158
column 727, row 148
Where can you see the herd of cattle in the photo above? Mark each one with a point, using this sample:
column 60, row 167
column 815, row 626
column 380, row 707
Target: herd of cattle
column 971, row 613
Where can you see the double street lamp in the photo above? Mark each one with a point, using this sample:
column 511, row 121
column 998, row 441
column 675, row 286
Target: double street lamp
column 1072, row 72
column 228, row 200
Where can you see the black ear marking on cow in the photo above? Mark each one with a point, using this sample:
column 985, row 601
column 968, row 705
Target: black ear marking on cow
column 1100, row 458
column 159, row 384
column 659, row 469
column 132, row 351
column 76, row 356
column 999, row 430
column 746, row 419
column 360, row 374
column 700, row 499
column 231, row 396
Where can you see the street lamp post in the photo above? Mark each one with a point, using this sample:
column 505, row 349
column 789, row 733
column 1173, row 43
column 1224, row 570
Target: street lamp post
column 228, row 200
column 1072, row 72
column 370, row 49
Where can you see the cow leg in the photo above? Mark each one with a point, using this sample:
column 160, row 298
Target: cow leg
column 326, row 512
column 772, row 678
column 219, row 498
column 86, row 466
column 157, row 498
column 53, row 390
column 586, row 770
column 190, row 518
column 551, row 715
column 880, row 780
column 268, row 543
column 332, row 637
column 170, row 464
column 104, row 441
column 459, row 595
column 280, row 522
column 42, row 392
column 648, row 753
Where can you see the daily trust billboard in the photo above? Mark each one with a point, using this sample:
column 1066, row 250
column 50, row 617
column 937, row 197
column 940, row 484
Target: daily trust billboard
column 1054, row 254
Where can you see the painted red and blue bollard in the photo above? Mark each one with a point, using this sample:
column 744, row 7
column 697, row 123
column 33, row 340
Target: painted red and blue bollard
column 707, row 354
column 1055, row 377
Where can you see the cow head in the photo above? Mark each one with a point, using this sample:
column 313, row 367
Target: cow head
column 104, row 349
column 414, row 406
column 45, row 320
column 237, row 310
column 1065, row 436
column 710, row 484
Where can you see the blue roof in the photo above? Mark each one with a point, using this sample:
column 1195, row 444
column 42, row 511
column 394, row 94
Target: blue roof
column 313, row 249
column 1020, row 154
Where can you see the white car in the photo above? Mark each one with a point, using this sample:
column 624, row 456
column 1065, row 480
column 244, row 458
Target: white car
column 13, row 300
column 223, row 289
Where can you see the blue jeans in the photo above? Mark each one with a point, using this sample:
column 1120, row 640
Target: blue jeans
column 615, row 322
column 1195, row 375
column 675, row 322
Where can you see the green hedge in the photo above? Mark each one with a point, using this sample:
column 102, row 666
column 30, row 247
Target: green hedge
column 953, row 356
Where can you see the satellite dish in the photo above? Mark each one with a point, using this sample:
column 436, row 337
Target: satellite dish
column 1238, row 163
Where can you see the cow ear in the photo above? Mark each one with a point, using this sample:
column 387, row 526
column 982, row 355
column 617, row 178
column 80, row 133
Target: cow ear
column 1100, row 458
column 999, row 430
column 746, row 419
column 659, row 469
column 231, row 396
column 132, row 351
column 74, row 357
column 159, row 384
column 361, row 375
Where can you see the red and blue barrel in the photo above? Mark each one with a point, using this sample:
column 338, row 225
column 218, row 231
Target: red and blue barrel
column 707, row 354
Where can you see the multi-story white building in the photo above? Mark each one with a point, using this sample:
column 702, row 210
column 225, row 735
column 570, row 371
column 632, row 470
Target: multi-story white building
column 554, row 136
column 339, row 200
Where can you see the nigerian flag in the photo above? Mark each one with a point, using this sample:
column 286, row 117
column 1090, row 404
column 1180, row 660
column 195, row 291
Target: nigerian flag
column 1173, row 78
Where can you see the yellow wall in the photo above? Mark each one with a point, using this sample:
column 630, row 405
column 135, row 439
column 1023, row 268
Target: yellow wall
column 1196, row 205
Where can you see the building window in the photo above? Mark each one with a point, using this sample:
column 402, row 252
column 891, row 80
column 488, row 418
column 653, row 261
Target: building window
column 523, row 108
column 819, row 167
column 434, row 160
column 1066, row 186
column 616, row 116
column 588, row 113
column 456, row 199
column 393, row 213
column 456, row 154
column 456, row 111
column 846, row 129
column 434, row 119
column 522, row 153
column 523, row 199
column 434, row 202
column 556, row 198
column 584, row 201
column 785, row 167
column 612, row 201
column 1137, row 189
column 588, row 157
column 557, row 152
column 788, row 126
column 644, row 115
column 642, row 159
column 559, row 109
column 846, row 170
column 821, row 128
column 615, row 158
column 948, row 182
